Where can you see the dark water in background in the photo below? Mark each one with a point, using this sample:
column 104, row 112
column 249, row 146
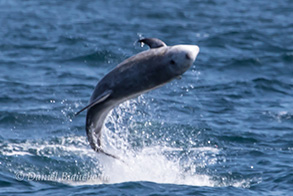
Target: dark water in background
column 225, row 128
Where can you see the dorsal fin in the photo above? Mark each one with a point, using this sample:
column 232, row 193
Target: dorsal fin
column 99, row 99
column 152, row 42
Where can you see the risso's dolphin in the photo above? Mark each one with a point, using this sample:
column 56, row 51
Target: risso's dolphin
column 136, row 75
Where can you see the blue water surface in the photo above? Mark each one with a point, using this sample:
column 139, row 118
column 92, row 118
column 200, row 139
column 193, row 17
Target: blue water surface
column 225, row 128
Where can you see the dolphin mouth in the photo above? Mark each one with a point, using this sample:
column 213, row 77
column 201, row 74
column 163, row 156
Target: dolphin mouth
column 192, row 53
column 188, row 56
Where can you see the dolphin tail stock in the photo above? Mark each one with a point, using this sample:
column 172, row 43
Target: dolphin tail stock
column 96, row 146
column 94, row 124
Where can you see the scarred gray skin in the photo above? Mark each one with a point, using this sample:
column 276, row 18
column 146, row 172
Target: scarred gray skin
column 136, row 75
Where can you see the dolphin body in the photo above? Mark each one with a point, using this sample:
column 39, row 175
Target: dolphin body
column 136, row 75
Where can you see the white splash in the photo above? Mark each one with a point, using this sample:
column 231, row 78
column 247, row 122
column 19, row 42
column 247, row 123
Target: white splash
column 151, row 165
column 147, row 163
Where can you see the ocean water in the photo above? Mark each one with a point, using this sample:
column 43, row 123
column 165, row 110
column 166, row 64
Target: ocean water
column 225, row 128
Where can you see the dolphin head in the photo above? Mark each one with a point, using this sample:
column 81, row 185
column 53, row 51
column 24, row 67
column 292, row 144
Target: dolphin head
column 177, row 58
column 180, row 58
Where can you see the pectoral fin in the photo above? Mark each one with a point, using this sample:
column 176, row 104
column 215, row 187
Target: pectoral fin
column 99, row 99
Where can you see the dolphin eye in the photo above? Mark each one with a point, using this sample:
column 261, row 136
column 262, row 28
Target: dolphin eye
column 172, row 62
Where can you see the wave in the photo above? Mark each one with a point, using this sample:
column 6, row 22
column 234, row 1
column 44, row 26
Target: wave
column 151, row 158
column 272, row 85
column 96, row 57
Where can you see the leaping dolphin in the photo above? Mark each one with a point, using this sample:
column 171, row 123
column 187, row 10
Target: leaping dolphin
column 136, row 75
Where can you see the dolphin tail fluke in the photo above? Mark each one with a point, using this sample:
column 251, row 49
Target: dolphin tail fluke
column 108, row 154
